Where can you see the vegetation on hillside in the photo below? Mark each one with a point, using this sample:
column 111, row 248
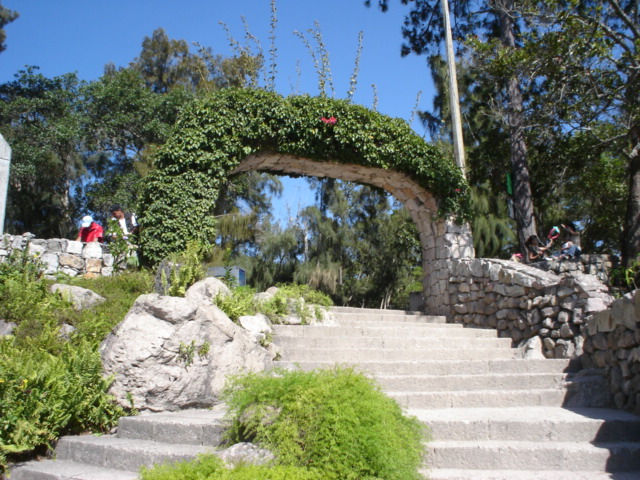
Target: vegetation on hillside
column 51, row 382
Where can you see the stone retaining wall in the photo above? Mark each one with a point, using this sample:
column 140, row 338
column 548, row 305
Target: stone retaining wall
column 612, row 343
column 598, row 265
column 62, row 256
column 523, row 302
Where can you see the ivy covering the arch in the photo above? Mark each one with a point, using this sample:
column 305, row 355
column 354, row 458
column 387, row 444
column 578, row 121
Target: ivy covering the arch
column 216, row 132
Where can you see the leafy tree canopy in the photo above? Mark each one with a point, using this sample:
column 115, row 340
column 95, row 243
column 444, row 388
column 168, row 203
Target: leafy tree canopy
column 6, row 16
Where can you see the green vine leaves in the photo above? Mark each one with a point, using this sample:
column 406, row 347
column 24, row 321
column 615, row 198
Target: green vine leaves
column 217, row 132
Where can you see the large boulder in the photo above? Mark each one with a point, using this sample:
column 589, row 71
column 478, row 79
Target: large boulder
column 80, row 297
column 205, row 291
column 171, row 353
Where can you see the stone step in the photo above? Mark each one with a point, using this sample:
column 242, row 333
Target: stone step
column 439, row 383
column 472, row 474
column 391, row 342
column 408, row 322
column 128, row 454
column 68, row 470
column 552, row 397
column 532, row 424
column 372, row 314
column 525, row 455
column 448, row 330
column 338, row 355
column 192, row 427
column 443, row 367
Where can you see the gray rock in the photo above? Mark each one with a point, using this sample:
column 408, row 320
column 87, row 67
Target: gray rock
column 272, row 290
column 50, row 261
column 256, row 323
column 205, row 291
column 263, row 297
column 246, row 453
column 71, row 261
column 170, row 353
column 92, row 250
column 80, row 297
column 66, row 331
column 74, row 247
column 532, row 349
column 7, row 328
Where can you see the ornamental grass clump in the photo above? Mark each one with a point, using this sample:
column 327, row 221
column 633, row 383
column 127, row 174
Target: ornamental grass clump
column 335, row 421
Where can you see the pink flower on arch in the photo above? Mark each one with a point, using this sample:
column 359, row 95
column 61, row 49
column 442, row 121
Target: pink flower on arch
column 329, row 121
column 457, row 190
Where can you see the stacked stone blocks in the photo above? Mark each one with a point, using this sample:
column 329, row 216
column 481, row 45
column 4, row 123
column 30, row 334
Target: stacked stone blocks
column 522, row 302
column 62, row 256
column 612, row 344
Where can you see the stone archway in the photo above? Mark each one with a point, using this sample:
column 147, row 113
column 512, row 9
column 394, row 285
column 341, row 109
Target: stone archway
column 239, row 130
column 441, row 239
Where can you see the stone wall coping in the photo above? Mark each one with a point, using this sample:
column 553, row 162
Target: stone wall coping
column 624, row 312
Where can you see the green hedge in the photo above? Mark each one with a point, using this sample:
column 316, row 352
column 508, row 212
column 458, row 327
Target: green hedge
column 217, row 132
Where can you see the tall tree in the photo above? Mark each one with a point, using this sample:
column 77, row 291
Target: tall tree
column 166, row 63
column 356, row 247
column 6, row 17
column 42, row 119
column 586, row 55
column 493, row 22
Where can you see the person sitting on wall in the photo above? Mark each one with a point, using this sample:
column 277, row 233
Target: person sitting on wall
column 126, row 221
column 571, row 248
column 535, row 249
column 90, row 231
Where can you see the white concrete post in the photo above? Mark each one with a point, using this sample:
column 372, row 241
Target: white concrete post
column 456, row 117
column 5, row 162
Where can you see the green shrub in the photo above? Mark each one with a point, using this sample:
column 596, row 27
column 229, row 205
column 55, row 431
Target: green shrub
column 43, row 395
column 290, row 299
column 238, row 304
column 336, row 420
column 210, row 467
column 305, row 292
column 626, row 277
column 51, row 386
column 190, row 268
column 300, row 300
column 204, row 468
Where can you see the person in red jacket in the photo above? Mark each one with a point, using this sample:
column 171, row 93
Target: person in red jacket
column 90, row 231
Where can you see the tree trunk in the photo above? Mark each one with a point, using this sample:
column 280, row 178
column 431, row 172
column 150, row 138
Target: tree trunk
column 631, row 233
column 522, row 198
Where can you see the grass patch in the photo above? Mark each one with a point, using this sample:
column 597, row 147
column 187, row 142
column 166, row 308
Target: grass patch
column 210, row 467
column 120, row 292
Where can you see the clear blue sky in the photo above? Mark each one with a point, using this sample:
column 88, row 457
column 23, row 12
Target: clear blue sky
column 62, row 36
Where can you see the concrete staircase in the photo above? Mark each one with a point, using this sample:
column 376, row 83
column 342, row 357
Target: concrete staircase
column 492, row 414
column 144, row 440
